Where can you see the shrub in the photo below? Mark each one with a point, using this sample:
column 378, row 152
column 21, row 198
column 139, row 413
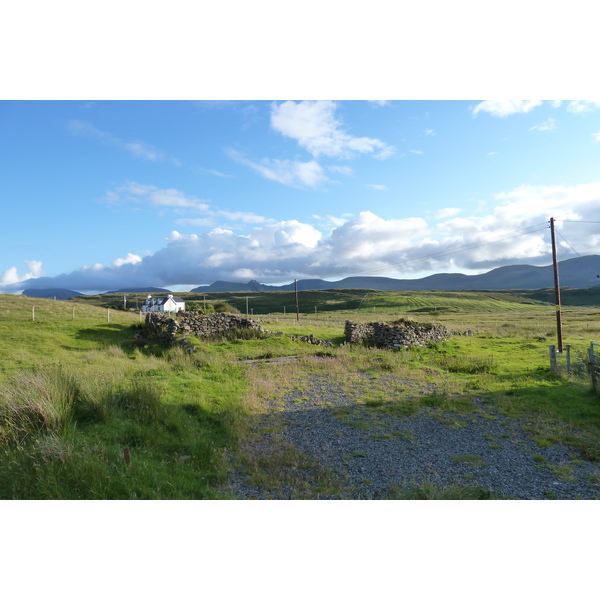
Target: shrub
column 224, row 307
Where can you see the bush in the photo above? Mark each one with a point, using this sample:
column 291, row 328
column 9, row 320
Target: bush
column 221, row 306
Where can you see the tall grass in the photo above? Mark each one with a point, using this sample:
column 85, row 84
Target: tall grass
column 42, row 401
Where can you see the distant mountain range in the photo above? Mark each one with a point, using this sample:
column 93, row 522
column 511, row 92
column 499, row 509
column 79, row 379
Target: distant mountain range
column 581, row 272
column 141, row 290
column 58, row 293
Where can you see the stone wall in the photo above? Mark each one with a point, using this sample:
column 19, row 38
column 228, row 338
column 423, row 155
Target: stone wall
column 398, row 334
column 163, row 328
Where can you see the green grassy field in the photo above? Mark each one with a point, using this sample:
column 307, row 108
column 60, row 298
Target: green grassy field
column 86, row 412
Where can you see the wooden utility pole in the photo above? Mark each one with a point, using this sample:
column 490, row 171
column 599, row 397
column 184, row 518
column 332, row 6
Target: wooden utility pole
column 297, row 309
column 556, row 287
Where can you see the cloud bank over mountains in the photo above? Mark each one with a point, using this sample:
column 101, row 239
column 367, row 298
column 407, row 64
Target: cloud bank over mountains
column 512, row 230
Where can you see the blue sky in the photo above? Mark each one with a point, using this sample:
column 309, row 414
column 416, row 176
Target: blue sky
column 99, row 195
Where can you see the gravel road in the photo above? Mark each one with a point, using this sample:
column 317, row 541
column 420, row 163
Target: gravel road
column 325, row 443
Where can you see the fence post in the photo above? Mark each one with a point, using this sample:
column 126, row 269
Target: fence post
column 33, row 313
column 553, row 365
column 592, row 360
column 568, row 348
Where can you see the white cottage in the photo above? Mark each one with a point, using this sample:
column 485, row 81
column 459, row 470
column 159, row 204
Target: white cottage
column 169, row 304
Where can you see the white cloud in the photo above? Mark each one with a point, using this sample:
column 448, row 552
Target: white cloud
column 505, row 108
column 141, row 150
column 337, row 221
column 135, row 148
column 581, row 106
column 446, row 213
column 547, row 125
column 596, row 136
column 175, row 236
column 377, row 186
column 417, row 152
column 288, row 172
column 130, row 259
column 314, row 126
column 429, row 132
column 342, row 170
column 244, row 217
column 514, row 229
column 150, row 195
column 11, row 277
column 202, row 222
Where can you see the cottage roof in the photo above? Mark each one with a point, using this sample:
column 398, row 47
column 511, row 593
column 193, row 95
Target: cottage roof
column 160, row 301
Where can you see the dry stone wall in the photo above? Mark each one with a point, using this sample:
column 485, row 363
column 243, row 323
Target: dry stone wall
column 398, row 334
column 164, row 328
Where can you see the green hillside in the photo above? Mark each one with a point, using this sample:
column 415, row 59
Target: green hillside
column 88, row 412
column 263, row 303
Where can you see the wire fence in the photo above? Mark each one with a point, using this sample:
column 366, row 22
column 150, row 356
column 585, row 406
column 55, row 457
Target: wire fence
column 61, row 313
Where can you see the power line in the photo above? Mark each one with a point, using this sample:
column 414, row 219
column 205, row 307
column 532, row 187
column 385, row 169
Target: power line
column 567, row 243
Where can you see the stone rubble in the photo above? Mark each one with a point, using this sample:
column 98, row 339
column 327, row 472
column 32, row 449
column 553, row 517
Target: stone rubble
column 174, row 330
column 397, row 334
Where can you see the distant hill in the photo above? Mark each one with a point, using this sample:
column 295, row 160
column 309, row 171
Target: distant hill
column 581, row 272
column 141, row 290
column 58, row 293
column 228, row 286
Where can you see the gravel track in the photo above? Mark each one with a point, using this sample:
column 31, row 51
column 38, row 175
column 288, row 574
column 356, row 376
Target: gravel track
column 367, row 451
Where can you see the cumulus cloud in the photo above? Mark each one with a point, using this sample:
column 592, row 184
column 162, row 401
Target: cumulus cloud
column 10, row 276
column 130, row 259
column 513, row 230
column 314, row 126
column 504, row 108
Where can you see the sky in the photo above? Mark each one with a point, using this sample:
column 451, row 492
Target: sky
column 178, row 147
column 100, row 195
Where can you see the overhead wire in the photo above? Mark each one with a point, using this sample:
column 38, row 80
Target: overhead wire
column 565, row 241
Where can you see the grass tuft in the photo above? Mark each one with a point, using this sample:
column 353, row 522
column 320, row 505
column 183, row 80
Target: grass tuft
column 428, row 490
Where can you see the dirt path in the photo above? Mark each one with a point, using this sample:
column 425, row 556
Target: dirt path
column 369, row 438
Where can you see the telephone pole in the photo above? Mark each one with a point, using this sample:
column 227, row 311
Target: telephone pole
column 556, row 287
